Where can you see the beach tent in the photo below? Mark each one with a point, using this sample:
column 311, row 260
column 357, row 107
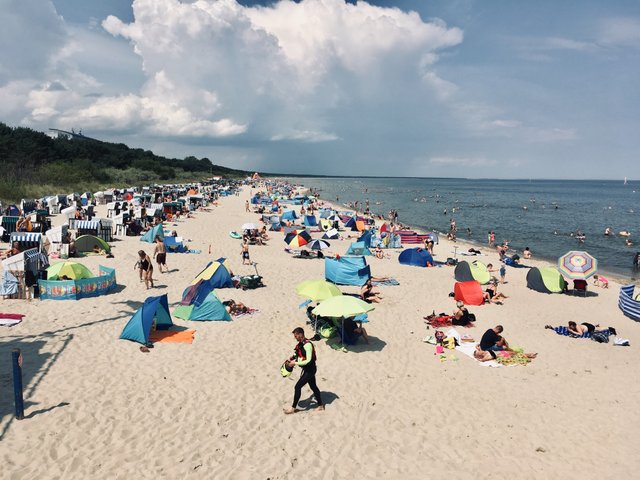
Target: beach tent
column 347, row 270
column 418, row 257
column 366, row 238
column 351, row 223
column 150, row 236
column 467, row 271
column 174, row 245
column 326, row 224
column 468, row 292
column 215, row 275
column 310, row 221
column 358, row 248
column 331, row 234
column 85, row 243
column 628, row 303
column 545, row 280
column 210, row 309
column 289, row 215
column 155, row 310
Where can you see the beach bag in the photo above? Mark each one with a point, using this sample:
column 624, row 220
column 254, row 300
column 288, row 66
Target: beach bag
column 452, row 261
column 600, row 337
column 328, row 331
column 439, row 336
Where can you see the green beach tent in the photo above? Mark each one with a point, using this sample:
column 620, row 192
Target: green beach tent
column 85, row 243
column 210, row 309
column 545, row 280
column 151, row 235
column 469, row 271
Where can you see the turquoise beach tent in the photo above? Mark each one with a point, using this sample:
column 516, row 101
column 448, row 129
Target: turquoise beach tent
column 150, row 236
column 139, row 326
column 210, row 309
column 358, row 248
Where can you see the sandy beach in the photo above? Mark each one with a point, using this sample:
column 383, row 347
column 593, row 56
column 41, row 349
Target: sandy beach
column 97, row 407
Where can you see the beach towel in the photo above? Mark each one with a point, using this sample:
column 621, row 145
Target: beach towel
column 512, row 358
column 251, row 311
column 468, row 348
column 10, row 319
column 564, row 331
column 171, row 336
column 388, row 282
column 193, row 251
column 444, row 321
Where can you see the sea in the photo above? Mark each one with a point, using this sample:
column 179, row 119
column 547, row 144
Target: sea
column 544, row 215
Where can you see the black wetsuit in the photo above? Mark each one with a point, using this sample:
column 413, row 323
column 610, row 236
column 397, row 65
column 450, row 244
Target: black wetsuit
column 308, row 375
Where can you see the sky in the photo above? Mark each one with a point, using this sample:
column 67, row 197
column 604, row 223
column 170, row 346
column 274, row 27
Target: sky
column 424, row 88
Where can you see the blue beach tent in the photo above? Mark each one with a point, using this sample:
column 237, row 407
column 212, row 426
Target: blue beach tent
column 310, row 221
column 358, row 248
column 173, row 246
column 347, row 270
column 139, row 326
column 150, row 236
column 366, row 238
column 418, row 257
column 289, row 215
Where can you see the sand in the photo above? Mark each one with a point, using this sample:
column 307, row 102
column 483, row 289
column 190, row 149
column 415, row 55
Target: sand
column 97, row 407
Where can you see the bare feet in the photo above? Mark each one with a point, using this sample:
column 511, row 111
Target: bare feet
column 290, row 410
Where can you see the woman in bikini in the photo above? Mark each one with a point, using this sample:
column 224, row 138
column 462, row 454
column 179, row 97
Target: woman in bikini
column 146, row 268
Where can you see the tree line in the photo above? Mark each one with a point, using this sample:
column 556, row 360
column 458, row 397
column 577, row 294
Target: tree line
column 35, row 164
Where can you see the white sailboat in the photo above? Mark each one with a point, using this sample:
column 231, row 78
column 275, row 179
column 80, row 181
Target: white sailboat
column 625, row 181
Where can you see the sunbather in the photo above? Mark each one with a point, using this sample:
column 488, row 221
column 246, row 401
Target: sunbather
column 355, row 329
column 461, row 315
column 368, row 295
column 491, row 294
column 235, row 308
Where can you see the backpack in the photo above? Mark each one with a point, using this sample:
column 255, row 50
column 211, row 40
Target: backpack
column 600, row 337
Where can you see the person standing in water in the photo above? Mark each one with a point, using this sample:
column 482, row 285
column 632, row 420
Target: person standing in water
column 305, row 357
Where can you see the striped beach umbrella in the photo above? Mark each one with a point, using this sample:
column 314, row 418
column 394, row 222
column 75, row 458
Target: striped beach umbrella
column 577, row 265
column 319, row 244
column 297, row 239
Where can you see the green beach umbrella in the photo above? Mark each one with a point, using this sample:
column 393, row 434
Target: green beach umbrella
column 72, row 270
column 317, row 290
column 342, row 306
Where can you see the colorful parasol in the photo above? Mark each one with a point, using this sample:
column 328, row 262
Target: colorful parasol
column 297, row 239
column 577, row 265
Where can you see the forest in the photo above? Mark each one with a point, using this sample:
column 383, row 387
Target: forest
column 34, row 165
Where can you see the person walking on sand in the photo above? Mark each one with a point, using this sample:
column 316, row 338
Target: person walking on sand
column 160, row 254
column 245, row 253
column 246, row 206
column 146, row 268
column 305, row 357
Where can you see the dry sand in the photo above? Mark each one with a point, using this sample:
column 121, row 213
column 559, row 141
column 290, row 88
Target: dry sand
column 99, row 408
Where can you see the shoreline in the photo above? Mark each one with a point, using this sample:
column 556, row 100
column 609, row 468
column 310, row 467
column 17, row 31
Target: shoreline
column 466, row 243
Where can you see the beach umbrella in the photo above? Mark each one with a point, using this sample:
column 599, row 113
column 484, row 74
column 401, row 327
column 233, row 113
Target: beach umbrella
column 319, row 244
column 72, row 270
column 249, row 226
column 577, row 265
column 342, row 306
column 317, row 290
column 297, row 239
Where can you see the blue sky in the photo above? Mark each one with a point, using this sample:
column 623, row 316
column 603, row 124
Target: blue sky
column 498, row 89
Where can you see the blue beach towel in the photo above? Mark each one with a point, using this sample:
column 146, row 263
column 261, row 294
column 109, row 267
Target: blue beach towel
column 390, row 282
column 565, row 332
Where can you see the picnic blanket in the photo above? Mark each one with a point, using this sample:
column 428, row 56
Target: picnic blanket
column 512, row 358
column 564, row 331
column 171, row 336
column 389, row 282
column 444, row 321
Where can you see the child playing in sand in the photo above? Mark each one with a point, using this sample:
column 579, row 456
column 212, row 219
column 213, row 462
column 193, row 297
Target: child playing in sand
column 600, row 281
column 146, row 269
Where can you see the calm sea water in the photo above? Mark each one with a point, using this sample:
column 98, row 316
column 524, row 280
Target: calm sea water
column 521, row 211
